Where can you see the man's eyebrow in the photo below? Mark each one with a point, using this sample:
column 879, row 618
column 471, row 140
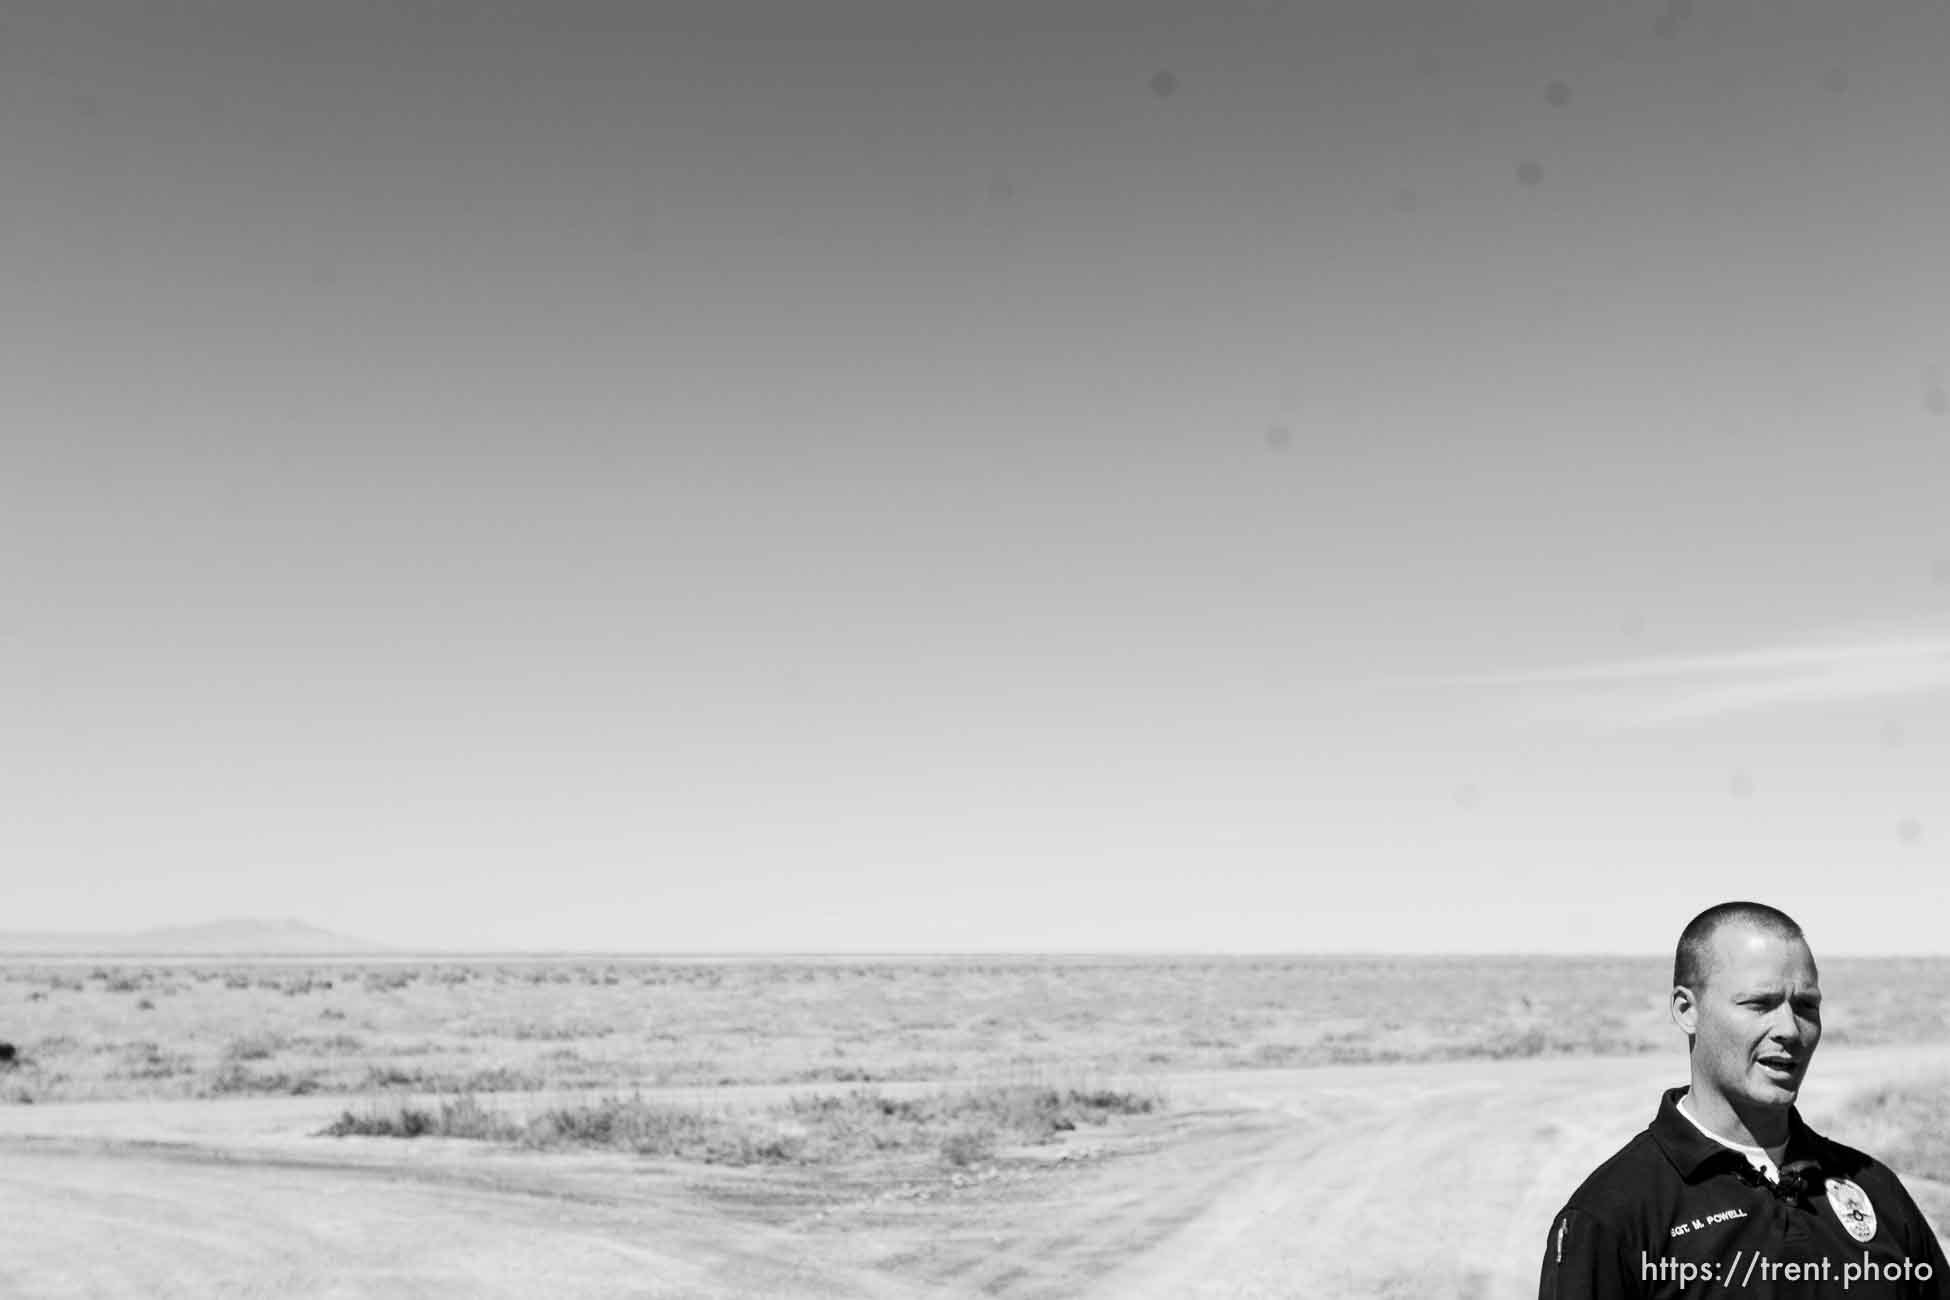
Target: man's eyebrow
column 1776, row 992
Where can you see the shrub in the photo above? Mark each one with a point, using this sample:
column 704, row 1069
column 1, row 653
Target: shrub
column 968, row 1146
column 149, row 1061
column 235, row 1079
column 253, row 1047
column 961, row 1127
column 462, row 1117
column 390, row 1076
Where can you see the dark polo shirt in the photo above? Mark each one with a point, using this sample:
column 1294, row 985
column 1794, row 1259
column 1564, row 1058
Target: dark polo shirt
column 1676, row 1214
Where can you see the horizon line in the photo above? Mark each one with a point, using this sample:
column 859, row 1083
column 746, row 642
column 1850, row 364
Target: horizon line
column 391, row 953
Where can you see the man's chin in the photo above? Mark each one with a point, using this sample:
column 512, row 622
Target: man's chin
column 1771, row 1087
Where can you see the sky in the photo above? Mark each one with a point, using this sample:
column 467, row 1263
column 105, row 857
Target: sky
column 855, row 475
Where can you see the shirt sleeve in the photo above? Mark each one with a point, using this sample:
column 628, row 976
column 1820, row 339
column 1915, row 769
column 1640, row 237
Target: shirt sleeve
column 1585, row 1260
column 1925, row 1283
column 1937, row 1286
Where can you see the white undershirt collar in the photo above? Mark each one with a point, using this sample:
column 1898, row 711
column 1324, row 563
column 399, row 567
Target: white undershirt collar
column 1766, row 1159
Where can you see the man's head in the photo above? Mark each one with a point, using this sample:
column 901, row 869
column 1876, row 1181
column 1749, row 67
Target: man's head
column 1746, row 993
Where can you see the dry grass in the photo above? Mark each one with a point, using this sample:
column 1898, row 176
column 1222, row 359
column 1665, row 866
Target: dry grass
column 211, row 1029
column 959, row 1127
column 1906, row 1126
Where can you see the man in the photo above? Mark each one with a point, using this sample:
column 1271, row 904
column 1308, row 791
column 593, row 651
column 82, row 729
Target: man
column 1727, row 1192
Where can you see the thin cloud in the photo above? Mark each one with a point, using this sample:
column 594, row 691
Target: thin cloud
column 1669, row 690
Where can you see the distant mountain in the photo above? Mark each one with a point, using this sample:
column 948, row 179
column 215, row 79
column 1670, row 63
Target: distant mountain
column 232, row 936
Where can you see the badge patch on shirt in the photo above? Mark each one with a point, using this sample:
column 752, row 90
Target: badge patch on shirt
column 1852, row 1207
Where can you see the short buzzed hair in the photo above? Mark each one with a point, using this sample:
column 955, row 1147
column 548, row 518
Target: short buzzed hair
column 1693, row 960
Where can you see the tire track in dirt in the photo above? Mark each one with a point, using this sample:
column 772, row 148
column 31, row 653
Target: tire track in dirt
column 1360, row 1182
column 129, row 1223
column 1050, row 1239
column 1424, row 1181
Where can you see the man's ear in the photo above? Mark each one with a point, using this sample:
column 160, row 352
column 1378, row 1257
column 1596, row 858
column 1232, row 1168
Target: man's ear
column 1685, row 1010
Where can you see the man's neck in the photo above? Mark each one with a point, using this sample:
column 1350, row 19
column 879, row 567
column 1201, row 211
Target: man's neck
column 1764, row 1127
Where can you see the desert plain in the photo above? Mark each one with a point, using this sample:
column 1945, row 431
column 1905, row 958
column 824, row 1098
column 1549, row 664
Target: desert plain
column 1034, row 1126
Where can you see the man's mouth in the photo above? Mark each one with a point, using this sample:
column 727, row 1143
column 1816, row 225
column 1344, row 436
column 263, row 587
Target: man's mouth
column 1778, row 1064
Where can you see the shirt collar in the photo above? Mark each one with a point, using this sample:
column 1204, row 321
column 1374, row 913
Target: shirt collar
column 1690, row 1150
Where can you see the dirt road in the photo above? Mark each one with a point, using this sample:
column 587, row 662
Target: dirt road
column 1423, row 1181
